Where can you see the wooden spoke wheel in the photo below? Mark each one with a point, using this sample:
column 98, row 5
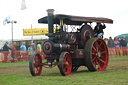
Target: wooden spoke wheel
column 65, row 63
column 96, row 54
column 35, row 66
column 74, row 68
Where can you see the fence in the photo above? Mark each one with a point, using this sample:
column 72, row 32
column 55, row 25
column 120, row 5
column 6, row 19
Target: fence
column 17, row 56
column 114, row 52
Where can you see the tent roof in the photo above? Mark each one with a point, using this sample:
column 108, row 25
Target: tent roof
column 126, row 35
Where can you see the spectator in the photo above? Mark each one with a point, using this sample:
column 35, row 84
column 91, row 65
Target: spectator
column 13, row 52
column 30, row 48
column 106, row 41
column 117, row 46
column 39, row 46
column 120, row 47
column 23, row 51
column 6, row 52
column 29, row 52
column 111, row 46
column 119, row 41
column 39, row 50
column 123, row 43
column 98, row 30
column 33, row 46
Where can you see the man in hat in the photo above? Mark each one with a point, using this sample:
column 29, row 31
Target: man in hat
column 6, row 52
column 98, row 30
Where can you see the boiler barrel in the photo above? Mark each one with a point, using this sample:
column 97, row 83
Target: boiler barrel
column 54, row 48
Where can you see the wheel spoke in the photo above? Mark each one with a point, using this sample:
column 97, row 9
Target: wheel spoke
column 68, row 67
column 34, row 65
column 94, row 58
column 101, row 60
column 36, row 60
column 38, row 69
column 99, row 67
column 99, row 46
column 93, row 53
column 95, row 44
column 94, row 48
column 64, row 61
column 103, row 52
column 100, row 49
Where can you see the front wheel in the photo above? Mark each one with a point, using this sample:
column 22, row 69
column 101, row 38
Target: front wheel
column 35, row 66
column 96, row 54
column 65, row 63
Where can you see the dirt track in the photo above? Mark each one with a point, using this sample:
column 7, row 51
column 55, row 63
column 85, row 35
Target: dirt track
column 14, row 69
column 112, row 66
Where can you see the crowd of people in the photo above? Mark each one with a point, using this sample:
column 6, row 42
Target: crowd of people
column 12, row 55
column 117, row 46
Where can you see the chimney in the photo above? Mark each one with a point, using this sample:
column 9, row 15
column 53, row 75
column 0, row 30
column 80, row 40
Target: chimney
column 50, row 20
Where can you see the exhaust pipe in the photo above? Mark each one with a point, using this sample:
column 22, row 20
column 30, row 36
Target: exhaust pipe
column 50, row 20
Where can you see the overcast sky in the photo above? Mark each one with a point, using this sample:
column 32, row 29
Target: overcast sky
column 36, row 9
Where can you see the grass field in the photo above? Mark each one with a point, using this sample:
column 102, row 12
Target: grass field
column 18, row 74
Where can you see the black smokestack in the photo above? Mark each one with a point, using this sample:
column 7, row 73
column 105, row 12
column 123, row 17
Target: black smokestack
column 50, row 20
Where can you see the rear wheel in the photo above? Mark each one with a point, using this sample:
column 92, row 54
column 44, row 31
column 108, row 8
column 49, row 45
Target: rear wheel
column 65, row 63
column 96, row 54
column 35, row 66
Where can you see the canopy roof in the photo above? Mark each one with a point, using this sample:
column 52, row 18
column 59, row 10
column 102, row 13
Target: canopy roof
column 74, row 20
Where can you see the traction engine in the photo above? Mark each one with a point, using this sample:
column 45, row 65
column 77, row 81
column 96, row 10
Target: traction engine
column 69, row 49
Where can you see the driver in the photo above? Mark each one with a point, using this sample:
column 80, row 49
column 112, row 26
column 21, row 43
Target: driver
column 98, row 30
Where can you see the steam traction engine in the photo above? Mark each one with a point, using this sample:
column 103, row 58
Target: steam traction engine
column 70, row 50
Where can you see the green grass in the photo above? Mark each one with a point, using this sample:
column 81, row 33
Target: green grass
column 13, row 64
column 122, row 57
column 18, row 74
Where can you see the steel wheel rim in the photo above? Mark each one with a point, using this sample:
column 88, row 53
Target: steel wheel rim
column 37, row 65
column 99, row 55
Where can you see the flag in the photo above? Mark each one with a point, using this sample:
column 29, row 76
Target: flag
column 7, row 20
column 23, row 5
